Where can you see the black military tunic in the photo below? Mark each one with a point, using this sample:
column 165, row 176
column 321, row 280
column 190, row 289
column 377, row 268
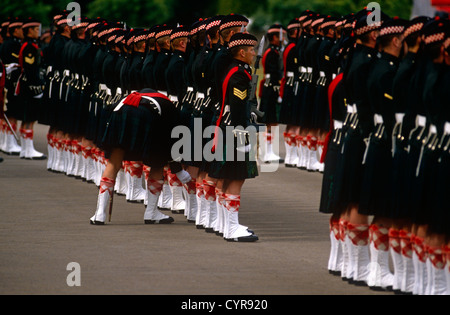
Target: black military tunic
column 406, row 121
column 440, row 216
column 376, row 184
column 349, row 168
column 291, row 71
column 175, row 77
column 309, row 113
column 159, row 70
column 325, row 67
column 300, row 82
column 30, row 89
column 10, row 54
column 419, row 132
column 86, row 56
column 270, row 90
column 234, row 112
column 135, row 71
column 147, row 68
column 219, row 65
column 424, row 186
column 334, row 140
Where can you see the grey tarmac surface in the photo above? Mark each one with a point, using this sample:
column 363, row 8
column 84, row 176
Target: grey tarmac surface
column 45, row 226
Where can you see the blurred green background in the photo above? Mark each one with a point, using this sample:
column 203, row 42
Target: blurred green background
column 146, row 13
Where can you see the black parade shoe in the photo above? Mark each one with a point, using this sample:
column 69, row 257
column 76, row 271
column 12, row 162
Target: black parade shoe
column 96, row 222
column 163, row 221
column 247, row 239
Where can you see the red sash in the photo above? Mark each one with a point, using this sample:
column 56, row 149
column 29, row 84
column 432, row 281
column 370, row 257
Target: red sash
column 135, row 98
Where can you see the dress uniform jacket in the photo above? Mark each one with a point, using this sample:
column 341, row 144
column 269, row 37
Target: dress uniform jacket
column 350, row 169
column 175, row 76
column 270, row 89
column 325, row 70
column 135, row 71
column 376, row 185
column 290, row 68
column 30, row 87
column 10, row 54
column 159, row 70
column 400, row 167
column 147, row 68
column 235, row 112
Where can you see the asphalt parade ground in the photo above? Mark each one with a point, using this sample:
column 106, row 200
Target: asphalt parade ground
column 45, row 236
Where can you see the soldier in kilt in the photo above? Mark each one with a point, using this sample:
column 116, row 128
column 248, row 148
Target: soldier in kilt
column 229, row 167
column 30, row 87
column 10, row 50
column 270, row 87
column 139, row 129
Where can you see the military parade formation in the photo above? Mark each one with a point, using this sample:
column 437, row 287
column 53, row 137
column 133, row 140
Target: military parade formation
column 363, row 101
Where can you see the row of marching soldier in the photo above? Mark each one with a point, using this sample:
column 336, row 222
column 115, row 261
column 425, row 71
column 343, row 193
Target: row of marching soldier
column 113, row 96
column 386, row 163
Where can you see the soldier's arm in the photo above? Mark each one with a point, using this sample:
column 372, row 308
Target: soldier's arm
column 238, row 93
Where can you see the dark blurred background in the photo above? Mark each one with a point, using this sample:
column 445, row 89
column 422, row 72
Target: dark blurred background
column 146, row 13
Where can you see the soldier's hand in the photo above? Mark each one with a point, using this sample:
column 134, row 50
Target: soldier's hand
column 183, row 176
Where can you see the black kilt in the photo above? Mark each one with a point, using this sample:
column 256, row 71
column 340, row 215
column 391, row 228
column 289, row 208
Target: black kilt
column 26, row 106
column 13, row 108
column 287, row 106
column 93, row 119
column 440, row 215
column 329, row 175
column 297, row 102
column 377, row 178
column 269, row 105
column 306, row 119
column 46, row 113
column 423, row 190
column 399, row 195
column 321, row 111
column 83, row 113
column 234, row 169
column 350, row 170
column 141, row 132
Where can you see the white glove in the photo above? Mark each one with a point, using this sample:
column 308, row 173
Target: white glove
column 11, row 67
column 183, row 176
column 244, row 149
